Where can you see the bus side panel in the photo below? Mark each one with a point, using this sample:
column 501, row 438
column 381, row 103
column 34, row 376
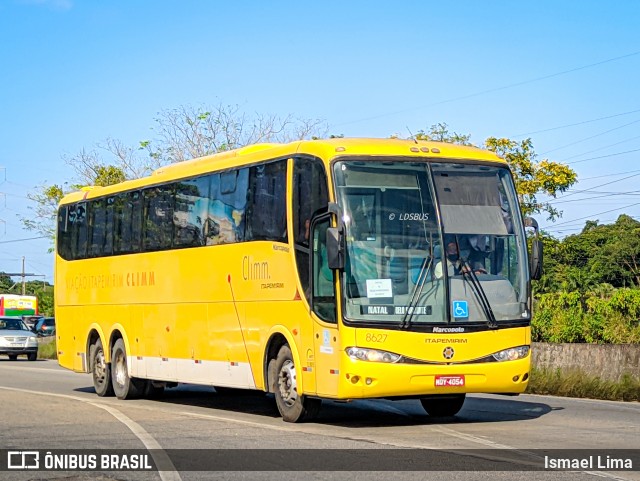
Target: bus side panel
column 290, row 317
column 65, row 342
column 71, row 338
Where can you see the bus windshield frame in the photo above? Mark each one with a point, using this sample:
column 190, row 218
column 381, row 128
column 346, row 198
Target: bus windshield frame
column 431, row 243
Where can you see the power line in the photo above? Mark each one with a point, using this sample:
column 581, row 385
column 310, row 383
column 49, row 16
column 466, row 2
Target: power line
column 591, row 215
column 496, row 89
column 601, row 148
column 591, row 137
column 604, row 156
column 577, row 123
column 595, row 187
column 21, row 240
column 610, row 194
column 610, row 175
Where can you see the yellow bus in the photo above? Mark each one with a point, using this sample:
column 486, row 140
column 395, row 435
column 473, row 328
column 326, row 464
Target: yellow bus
column 328, row 269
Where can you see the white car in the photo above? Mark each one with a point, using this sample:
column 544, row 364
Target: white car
column 16, row 339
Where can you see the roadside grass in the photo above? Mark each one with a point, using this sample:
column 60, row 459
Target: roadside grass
column 581, row 385
column 47, row 348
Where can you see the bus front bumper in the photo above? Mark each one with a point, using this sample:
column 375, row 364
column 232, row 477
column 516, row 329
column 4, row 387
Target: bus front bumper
column 362, row 379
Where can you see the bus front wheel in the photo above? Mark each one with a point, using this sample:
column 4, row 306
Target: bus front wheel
column 100, row 370
column 443, row 406
column 125, row 387
column 293, row 407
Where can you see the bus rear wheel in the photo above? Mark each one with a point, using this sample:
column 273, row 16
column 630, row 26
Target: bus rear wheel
column 293, row 407
column 125, row 387
column 100, row 370
column 443, row 406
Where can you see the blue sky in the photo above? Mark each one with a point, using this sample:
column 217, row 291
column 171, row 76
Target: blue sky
column 74, row 73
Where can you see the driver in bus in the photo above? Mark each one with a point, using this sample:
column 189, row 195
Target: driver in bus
column 455, row 264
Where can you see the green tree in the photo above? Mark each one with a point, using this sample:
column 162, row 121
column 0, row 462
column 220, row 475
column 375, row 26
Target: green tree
column 440, row 133
column 533, row 178
column 599, row 258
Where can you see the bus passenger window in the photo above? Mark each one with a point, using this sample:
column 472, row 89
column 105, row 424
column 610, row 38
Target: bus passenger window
column 158, row 210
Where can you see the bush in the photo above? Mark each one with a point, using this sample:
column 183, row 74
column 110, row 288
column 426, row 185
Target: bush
column 588, row 317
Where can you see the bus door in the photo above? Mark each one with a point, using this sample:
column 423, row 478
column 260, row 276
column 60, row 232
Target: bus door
column 323, row 306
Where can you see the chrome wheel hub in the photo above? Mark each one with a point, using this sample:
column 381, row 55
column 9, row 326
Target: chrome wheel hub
column 120, row 369
column 287, row 383
column 100, row 368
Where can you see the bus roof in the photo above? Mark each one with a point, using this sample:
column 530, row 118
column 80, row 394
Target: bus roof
column 327, row 149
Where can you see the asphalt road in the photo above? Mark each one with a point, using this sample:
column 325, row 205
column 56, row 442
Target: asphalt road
column 44, row 407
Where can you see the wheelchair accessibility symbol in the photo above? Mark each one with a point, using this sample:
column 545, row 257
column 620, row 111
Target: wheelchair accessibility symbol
column 460, row 309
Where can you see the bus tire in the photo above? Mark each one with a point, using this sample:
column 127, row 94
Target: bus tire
column 293, row 407
column 100, row 370
column 13, row 357
column 125, row 387
column 32, row 356
column 443, row 406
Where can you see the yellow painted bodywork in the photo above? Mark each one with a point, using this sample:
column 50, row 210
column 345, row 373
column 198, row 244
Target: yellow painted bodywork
column 213, row 303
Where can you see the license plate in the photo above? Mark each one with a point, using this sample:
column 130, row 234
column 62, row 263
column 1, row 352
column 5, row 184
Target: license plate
column 16, row 344
column 449, row 381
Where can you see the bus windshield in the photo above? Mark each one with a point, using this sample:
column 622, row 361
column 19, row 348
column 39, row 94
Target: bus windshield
column 431, row 243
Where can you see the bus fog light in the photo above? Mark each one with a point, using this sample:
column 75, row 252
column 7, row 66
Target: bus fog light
column 512, row 354
column 355, row 379
column 372, row 355
column 368, row 381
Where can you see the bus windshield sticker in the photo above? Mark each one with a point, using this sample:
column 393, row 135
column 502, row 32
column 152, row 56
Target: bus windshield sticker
column 460, row 309
column 377, row 288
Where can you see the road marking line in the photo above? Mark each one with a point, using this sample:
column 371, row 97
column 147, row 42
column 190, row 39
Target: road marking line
column 159, row 455
column 157, row 452
column 44, row 369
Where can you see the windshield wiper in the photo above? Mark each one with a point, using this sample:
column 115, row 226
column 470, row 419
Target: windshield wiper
column 417, row 292
column 478, row 290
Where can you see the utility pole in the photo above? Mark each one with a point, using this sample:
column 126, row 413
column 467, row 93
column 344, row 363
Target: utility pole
column 23, row 275
column 24, row 286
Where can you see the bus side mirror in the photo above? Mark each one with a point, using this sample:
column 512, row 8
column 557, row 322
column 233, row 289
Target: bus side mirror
column 536, row 259
column 335, row 248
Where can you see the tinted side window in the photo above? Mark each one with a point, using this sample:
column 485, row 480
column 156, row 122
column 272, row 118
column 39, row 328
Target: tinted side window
column 127, row 222
column 63, row 237
column 97, row 220
column 309, row 196
column 267, row 208
column 191, row 211
column 108, row 227
column 79, row 232
column 225, row 222
column 158, row 217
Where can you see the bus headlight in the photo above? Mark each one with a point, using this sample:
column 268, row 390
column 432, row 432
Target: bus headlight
column 512, row 354
column 372, row 355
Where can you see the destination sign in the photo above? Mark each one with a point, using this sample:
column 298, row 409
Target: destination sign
column 392, row 310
